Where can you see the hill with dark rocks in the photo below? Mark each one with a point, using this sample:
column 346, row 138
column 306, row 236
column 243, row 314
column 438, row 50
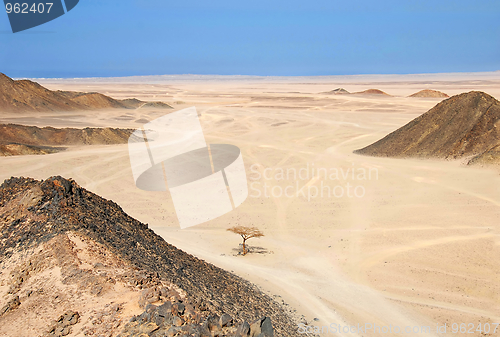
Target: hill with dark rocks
column 463, row 126
column 73, row 263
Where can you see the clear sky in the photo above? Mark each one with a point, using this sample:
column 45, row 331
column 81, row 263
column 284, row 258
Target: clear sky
column 257, row 37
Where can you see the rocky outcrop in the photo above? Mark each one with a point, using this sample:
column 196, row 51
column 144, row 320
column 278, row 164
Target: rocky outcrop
column 65, row 225
column 183, row 318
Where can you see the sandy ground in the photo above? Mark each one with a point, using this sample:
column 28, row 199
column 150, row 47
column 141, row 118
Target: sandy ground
column 46, row 293
column 409, row 243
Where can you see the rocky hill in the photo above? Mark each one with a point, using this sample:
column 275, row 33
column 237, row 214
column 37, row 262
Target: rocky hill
column 29, row 96
column 429, row 93
column 73, row 263
column 20, row 139
column 25, row 95
column 338, row 91
column 465, row 125
column 372, row 92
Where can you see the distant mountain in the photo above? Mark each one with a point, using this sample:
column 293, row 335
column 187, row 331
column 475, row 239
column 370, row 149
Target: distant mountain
column 134, row 103
column 74, row 263
column 461, row 126
column 94, row 100
column 338, row 91
column 161, row 105
column 429, row 93
column 26, row 96
column 372, row 92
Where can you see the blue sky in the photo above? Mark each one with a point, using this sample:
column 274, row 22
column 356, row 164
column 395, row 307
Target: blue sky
column 272, row 37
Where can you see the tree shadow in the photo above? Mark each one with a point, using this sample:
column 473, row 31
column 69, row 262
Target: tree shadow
column 251, row 250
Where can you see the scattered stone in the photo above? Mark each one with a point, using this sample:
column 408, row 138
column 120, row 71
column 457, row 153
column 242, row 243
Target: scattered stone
column 98, row 265
column 62, row 326
column 255, row 328
column 267, row 327
column 178, row 308
column 244, row 329
column 167, row 320
column 225, row 320
column 11, row 305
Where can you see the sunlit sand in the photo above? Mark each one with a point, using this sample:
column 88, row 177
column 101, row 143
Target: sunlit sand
column 417, row 244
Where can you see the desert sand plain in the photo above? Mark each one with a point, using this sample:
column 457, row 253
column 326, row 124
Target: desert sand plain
column 419, row 244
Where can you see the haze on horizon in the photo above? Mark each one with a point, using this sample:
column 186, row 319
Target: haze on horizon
column 278, row 38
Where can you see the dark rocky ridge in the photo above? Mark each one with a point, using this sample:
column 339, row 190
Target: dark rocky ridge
column 32, row 212
column 33, row 135
column 464, row 125
column 20, row 139
column 17, row 149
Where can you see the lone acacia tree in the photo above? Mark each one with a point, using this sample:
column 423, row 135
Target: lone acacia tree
column 246, row 233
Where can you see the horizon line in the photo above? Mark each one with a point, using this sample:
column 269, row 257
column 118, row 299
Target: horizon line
column 483, row 73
